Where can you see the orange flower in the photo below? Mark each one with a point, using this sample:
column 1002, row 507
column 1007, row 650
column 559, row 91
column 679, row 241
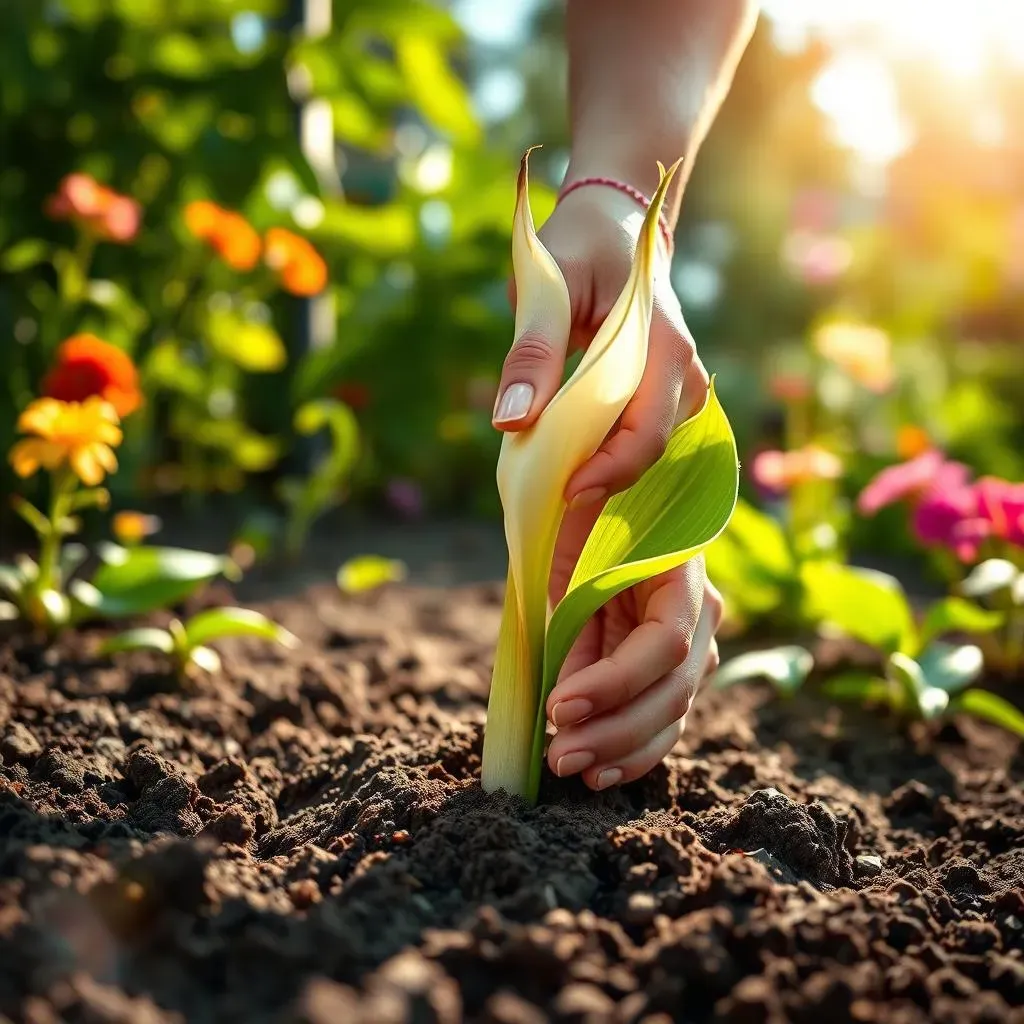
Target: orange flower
column 300, row 266
column 864, row 353
column 81, row 435
column 779, row 471
column 98, row 209
column 232, row 237
column 912, row 441
column 131, row 527
column 88, row 366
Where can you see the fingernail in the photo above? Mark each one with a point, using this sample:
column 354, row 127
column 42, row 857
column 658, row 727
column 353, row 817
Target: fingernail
column 588, row 497
column 514, row 404
column 608, row 777
column 568, row 712
column 570, row 764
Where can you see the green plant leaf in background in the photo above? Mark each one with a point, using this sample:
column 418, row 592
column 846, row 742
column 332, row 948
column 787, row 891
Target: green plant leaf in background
column 252, row 345
column 435, row 89
column 367, row 572
column 751, row 563
column 666, row 518
column 867, row 605
column 24, row 254
column 133, row 581
column 857, row 687
column 217, row 623
column 918, row 699
column 991, row 708
column 786, row 668
column 322, row 488
column 989, row 578
column 142, row 639
column 951, row 667
column 955, row 615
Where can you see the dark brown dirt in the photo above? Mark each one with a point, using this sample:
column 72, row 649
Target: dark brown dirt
column 305, row 839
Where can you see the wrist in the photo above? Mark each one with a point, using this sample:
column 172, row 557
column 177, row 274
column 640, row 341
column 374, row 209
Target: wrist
column 637, row 172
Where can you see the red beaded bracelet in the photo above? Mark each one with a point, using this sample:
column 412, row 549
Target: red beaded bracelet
column 634, row 193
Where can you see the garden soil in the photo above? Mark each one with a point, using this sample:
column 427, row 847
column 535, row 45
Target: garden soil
column 304, row 839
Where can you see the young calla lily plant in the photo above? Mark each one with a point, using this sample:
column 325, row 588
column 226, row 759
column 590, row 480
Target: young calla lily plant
column 670, row 515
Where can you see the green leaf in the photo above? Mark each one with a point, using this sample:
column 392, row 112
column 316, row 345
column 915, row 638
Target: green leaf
column 205, row 658
column 217, row 623
column 136, row 580
column 144, row 639
column 785, row 667
column 253, row 346
column 866, row 605
column 24, row 254
column 681, row 504
column 918, row 699
column 985, row 705
column 951, row 667
column 180, row 55
column 435, row 90
column 859, row 687
column 93, row 497
column 990, row 577
column 39, row 523
column 367, row 572
column 763, row 540
column 320, row 490
column 55, row 606
column 955, row 615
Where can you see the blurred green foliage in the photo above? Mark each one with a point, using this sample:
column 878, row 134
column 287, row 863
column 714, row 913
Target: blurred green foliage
column 170, row 101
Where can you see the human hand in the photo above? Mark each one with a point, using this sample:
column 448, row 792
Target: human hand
column 622, row 696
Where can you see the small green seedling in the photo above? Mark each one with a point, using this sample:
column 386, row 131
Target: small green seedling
column 922, row 678
column 185, row 643
column 998, row 584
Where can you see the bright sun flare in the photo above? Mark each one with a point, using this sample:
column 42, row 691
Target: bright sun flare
column 856, row 90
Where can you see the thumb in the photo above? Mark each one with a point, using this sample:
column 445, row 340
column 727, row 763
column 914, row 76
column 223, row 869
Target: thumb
column 534, row 366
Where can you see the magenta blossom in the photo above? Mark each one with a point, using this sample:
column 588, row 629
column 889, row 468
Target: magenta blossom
column 964, row 517
column 912, row 480
column 1002, row 504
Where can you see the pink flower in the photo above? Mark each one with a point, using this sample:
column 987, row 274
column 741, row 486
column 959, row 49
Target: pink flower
column 776, row 471
column 963, row 517
column 940, row 512
column 911, row 480
column 1002, row 504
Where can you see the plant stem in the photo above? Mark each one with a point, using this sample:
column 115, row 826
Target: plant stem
column 62, row 483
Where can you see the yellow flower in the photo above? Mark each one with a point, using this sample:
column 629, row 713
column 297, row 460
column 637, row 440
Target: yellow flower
column 81, row 435
column 862, row 352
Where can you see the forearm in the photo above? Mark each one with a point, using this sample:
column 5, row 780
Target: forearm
column 646, row 78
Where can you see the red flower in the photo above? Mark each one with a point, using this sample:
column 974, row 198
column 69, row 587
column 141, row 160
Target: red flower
column 300, row 266
column 88, row 366
column 232, row 237
column 96, row 208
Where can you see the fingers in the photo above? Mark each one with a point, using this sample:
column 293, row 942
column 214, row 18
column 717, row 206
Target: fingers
column 647, row 421
column 653, row 649
column 617, row 740
column 639, row 763
column 534, row 366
